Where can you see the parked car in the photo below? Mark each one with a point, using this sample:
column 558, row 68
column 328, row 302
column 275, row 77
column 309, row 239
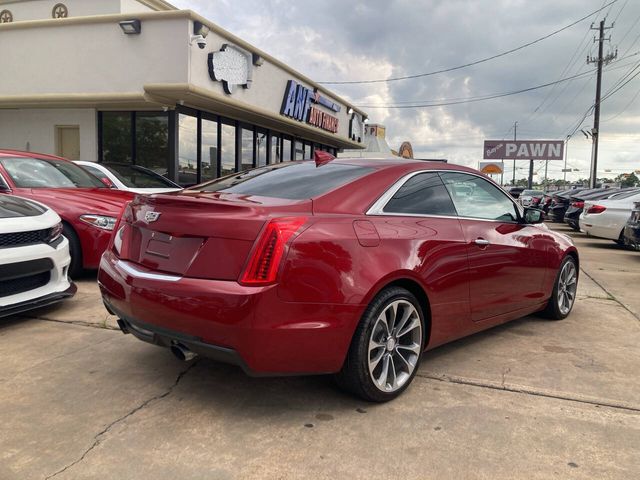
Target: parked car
column 572, row 215
column 632, row 228
column 516, row 191
column 132, row 178
column 531, row 198
column 88, row 208
column 351, row 267
column 34, row 256
column 608, row 218
column 560, row 203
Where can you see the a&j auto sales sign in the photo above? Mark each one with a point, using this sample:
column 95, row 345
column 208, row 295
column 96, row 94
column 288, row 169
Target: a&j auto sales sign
column 523, row 150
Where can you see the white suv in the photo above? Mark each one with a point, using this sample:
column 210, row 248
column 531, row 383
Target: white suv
column 34, row 256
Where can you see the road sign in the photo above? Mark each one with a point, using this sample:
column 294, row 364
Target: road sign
column 491, row 167
column 523, row 150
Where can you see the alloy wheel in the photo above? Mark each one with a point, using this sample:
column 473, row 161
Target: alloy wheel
column 395, row 345
column 567, row 286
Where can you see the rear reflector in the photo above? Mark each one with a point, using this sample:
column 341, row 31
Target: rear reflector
column 596, row 209
column 262, row 268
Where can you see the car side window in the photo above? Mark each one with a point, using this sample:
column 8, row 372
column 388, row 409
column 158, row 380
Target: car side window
column 475, row 197
column 422, row 194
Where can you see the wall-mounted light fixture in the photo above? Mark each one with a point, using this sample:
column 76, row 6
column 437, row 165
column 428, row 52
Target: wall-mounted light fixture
column 131, row 27
column 200, row 28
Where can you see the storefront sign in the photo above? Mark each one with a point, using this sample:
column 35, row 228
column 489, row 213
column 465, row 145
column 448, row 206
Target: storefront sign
column 297, row 102
column 523, row 150
column 232, row 66
column 491, row 167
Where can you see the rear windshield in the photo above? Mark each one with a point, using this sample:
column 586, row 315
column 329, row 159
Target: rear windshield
column 532, row 192
column 138, row 177
column 293, row 181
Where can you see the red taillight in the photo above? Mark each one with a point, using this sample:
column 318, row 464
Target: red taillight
column 535, row 199
column 596, row 209
column 578, row 204
column 263, row 264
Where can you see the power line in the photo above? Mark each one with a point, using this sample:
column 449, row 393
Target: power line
column 478, row 98
column 470, row 64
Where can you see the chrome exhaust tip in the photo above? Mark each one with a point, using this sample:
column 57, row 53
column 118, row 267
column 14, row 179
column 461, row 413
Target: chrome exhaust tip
column 182, row 353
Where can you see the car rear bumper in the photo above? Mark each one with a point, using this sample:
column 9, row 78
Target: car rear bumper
column 246, row 326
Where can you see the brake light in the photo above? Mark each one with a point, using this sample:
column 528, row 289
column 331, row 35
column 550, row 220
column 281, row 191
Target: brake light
column 578, row 204
column 535, row 199
column 262, row 268
column 596, row 209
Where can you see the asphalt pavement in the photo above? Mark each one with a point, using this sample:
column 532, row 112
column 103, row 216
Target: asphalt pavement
column 532, row 399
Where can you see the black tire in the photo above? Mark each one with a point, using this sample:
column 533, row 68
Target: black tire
column 355, row 376
column 75, row 267
column 553, row 311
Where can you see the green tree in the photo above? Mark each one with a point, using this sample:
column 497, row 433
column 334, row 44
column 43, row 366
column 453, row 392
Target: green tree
column 628, row 180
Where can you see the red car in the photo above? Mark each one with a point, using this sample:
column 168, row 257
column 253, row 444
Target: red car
column 353, row 267
column 88, row 208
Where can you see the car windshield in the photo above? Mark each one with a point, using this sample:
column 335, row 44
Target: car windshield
column 293, row 181
column 134, row 176
column 30, row 172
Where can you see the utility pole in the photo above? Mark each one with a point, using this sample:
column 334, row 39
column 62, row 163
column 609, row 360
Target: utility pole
column 566, row 156
column 515, row 132
column 600, row 61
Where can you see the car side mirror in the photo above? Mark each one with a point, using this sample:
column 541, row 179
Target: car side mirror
column 4, row 188
column 533, row 215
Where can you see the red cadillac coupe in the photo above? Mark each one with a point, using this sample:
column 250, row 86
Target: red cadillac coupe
column 88, row 208
column 353, row 267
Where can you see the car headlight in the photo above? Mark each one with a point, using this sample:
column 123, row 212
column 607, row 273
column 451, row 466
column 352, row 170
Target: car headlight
column 100, row 221
column 54, row 233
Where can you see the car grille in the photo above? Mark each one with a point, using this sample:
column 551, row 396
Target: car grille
column 24, row 284
column 24, row 238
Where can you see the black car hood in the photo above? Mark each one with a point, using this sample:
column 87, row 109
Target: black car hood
column 12, row 207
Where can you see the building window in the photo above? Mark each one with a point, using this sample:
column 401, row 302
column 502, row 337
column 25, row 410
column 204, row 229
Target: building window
column 209, row 150
column 261, row 147
column 287, row 151
column 6, row 16
column 152, row 141
column 246, row 148
column 116, row 135
column 298, row 150
column 187, row 150
column 276, row 149
column 227, row 149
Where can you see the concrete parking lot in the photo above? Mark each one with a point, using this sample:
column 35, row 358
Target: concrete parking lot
column 531, row 399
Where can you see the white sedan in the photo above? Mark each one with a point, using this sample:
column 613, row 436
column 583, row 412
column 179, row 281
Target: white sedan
column 607, row 218
column 34, row 256
column 132, row 178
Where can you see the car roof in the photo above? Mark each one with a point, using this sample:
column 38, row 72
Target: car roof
column 23, row 154
column 408, row 164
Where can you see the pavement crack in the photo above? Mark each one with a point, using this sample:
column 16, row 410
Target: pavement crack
column 611, row 296
column 97, row 439
column 528, row 391
column 80, row 323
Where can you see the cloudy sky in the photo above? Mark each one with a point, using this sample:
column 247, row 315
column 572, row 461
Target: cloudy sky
column 334, row 40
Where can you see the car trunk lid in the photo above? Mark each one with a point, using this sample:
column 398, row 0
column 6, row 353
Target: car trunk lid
column 200, row 235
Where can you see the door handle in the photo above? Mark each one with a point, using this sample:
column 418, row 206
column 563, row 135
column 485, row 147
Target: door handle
column 482, row 242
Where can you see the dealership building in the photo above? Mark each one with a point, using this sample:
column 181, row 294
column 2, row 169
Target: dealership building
column 141, row 82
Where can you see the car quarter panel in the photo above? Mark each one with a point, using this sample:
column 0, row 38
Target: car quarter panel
column 327, row 264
